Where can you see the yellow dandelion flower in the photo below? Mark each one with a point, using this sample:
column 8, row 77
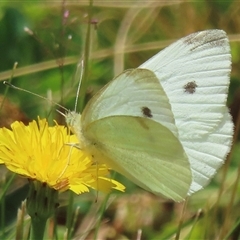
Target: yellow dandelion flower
column 43, row 153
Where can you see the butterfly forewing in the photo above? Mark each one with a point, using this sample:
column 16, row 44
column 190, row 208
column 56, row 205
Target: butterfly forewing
column 135, row 92
column 194, row 73
column 204, row 60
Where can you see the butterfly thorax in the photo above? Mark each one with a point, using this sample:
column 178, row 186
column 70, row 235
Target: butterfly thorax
column 73, row 120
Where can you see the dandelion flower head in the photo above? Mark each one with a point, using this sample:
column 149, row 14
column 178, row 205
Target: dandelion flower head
column 41, row 152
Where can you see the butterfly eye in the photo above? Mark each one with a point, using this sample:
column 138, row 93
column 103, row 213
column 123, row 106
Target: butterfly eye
column 190, row 87
column 147, row 112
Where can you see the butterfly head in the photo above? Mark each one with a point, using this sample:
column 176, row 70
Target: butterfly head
column 72, row 118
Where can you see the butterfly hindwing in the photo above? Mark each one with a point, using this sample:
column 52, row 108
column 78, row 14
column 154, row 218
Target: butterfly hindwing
column 154, row 160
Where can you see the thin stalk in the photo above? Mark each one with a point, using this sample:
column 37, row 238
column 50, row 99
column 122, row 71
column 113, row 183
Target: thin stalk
column 83, row 88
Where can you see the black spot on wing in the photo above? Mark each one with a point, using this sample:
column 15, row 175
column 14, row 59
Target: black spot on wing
column 146, row 112
column 190, row 87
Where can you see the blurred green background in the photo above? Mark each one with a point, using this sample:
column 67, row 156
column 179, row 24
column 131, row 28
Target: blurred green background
column 47, row 39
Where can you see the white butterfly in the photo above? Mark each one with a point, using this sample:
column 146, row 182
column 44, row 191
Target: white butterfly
column 164, row 125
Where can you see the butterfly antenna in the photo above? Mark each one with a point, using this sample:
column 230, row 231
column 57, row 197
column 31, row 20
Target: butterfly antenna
column 37, row 95
column 81, row 67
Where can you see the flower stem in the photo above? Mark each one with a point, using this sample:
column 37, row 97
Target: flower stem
column 41, row 204
column 38, row 228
